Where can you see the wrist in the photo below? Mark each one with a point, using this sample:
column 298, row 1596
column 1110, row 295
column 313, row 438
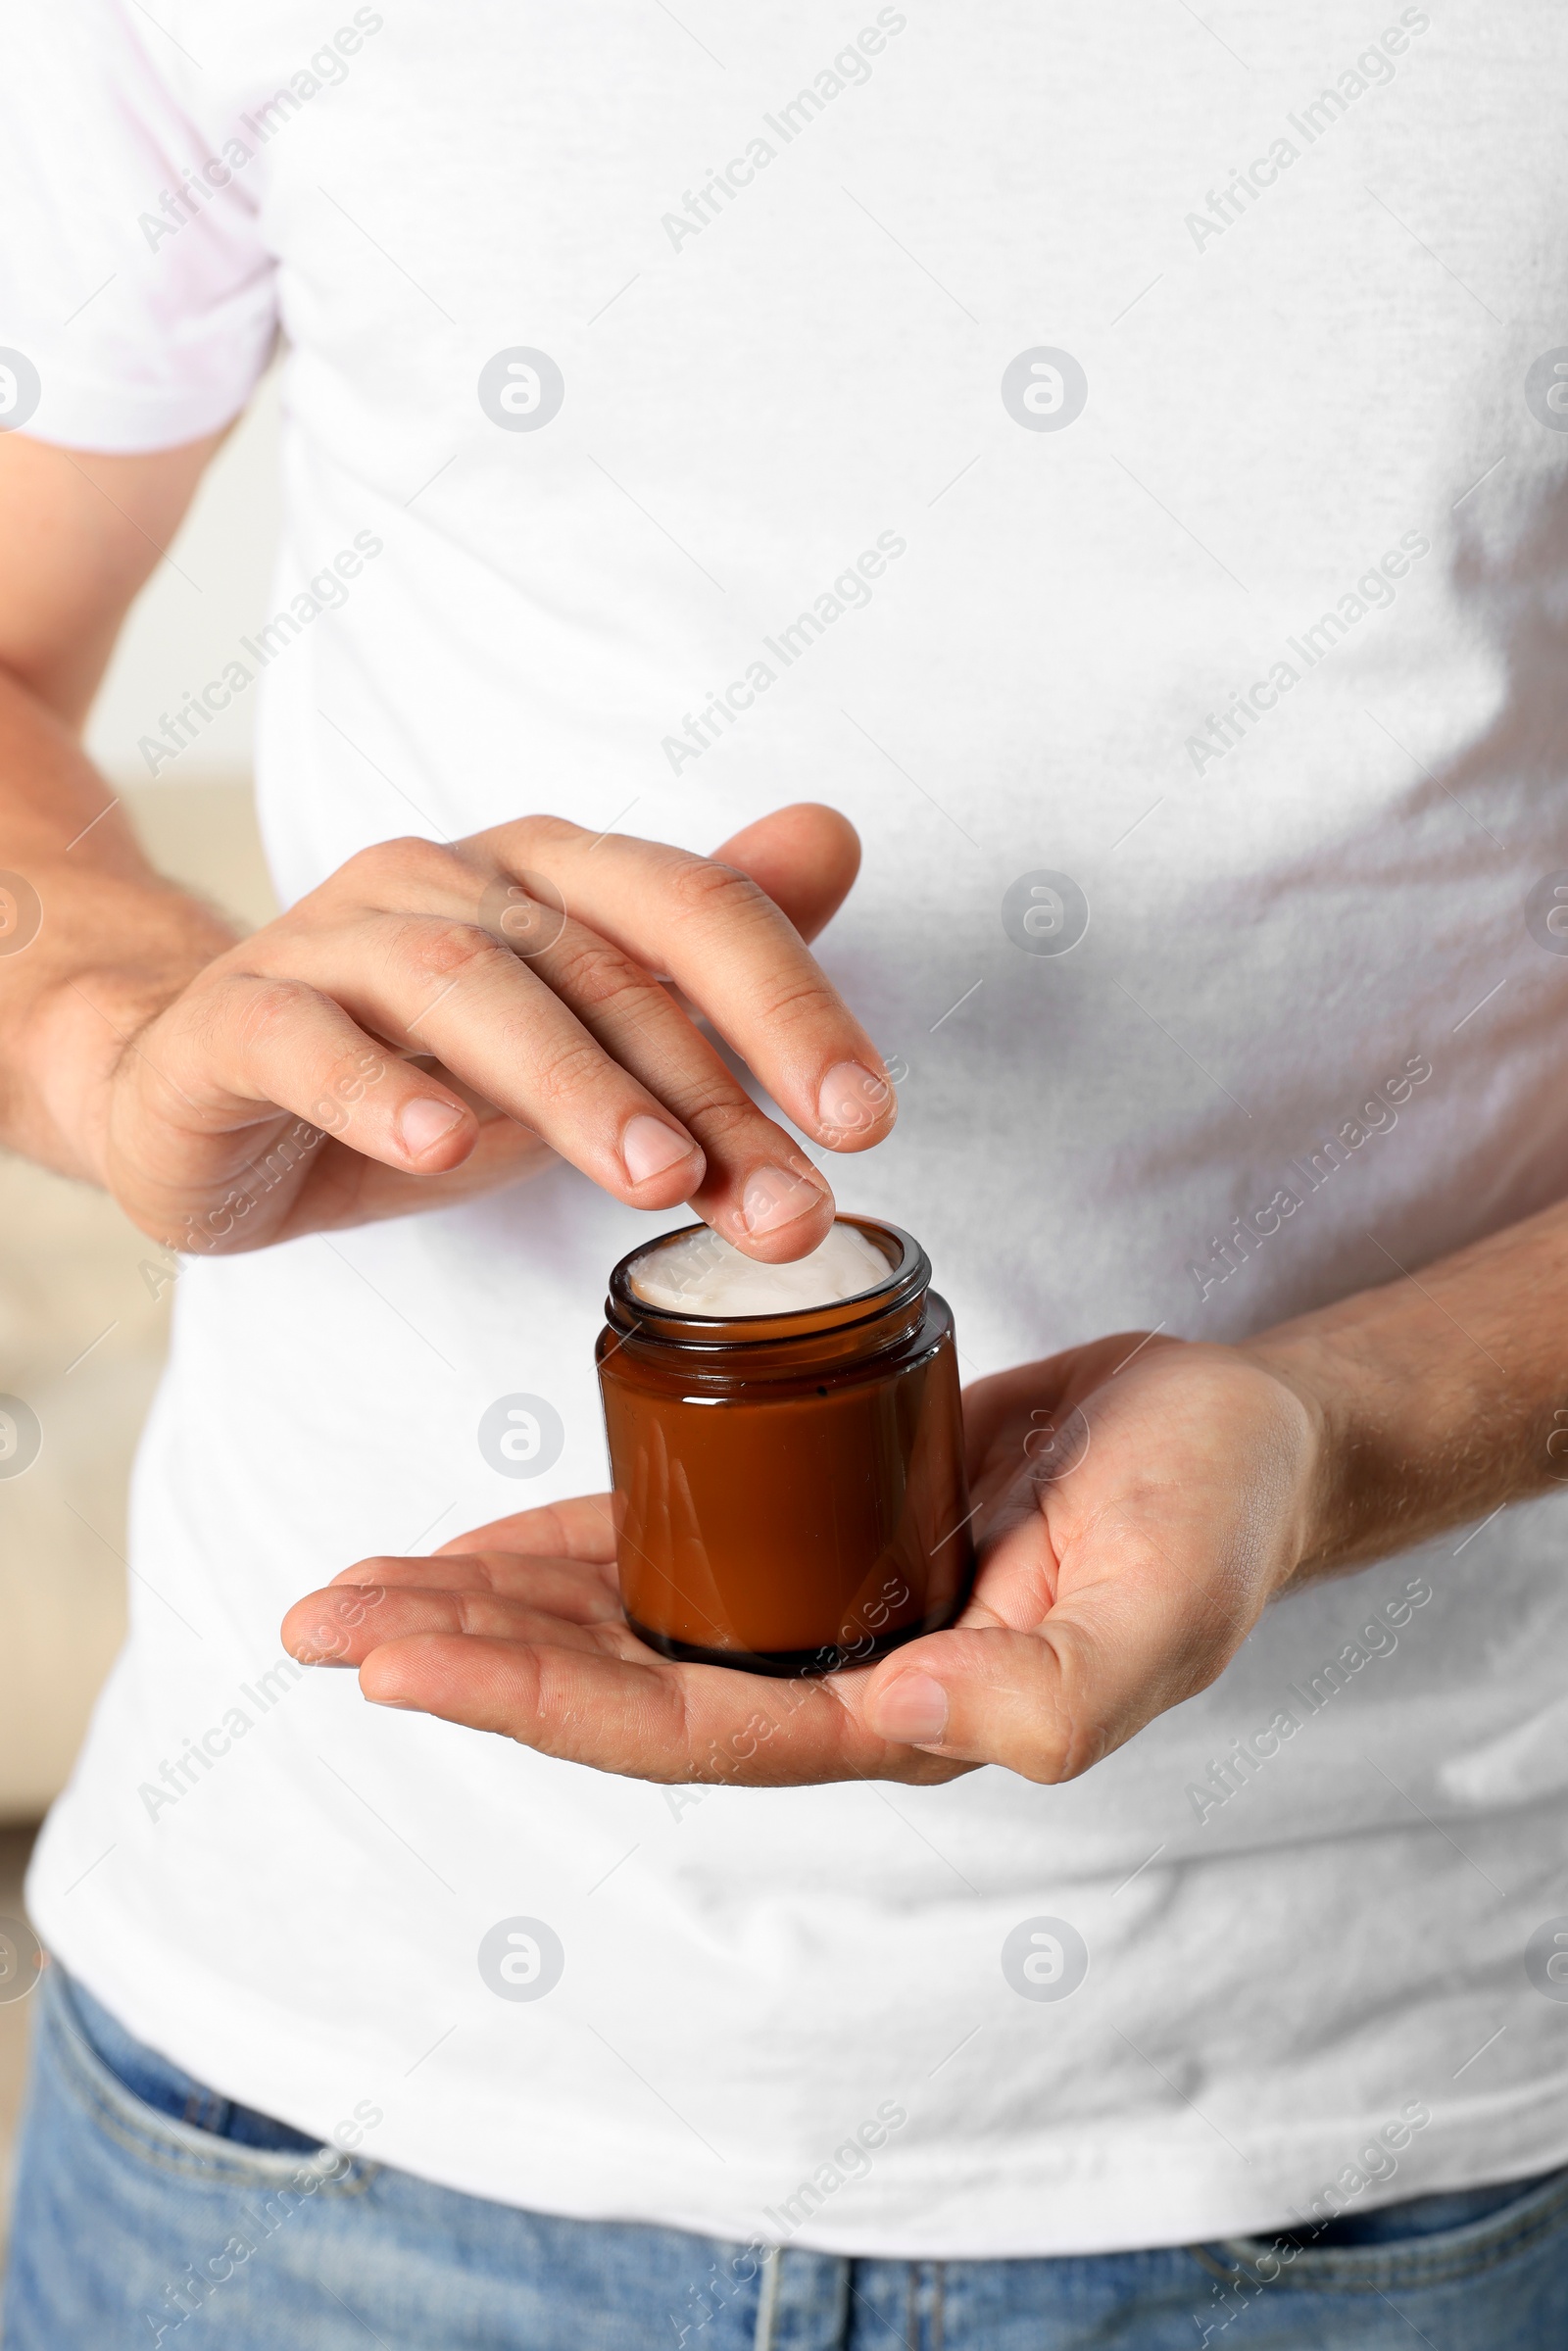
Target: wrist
column 1326, row 1391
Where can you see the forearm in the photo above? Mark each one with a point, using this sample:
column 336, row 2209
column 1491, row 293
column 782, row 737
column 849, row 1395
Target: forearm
column 1435, row 1397
column 114, row 942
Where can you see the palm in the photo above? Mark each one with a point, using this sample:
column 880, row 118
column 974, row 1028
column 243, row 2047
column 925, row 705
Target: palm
column 518, row 1629
column 1123, row 1557
column 1119, row 1487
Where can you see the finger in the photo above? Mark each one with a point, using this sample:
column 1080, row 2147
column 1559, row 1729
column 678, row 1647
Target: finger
column 734, row 954
column 758, row 1189
column 440, row 978
column 348, row 1188
column 578, row 1043
column 323, row 1634
column 447, row 987
column 578, row 1590
column 1125, row 1644
column 581, row 1528
column 637, row 1716
column 321, row 1628
column 805, row 857
column 250, row 1040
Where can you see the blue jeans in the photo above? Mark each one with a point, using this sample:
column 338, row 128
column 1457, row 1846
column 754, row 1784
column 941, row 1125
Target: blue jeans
column 152, row 2212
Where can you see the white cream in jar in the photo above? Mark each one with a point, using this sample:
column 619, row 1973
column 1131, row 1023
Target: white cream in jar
column 701, row 1273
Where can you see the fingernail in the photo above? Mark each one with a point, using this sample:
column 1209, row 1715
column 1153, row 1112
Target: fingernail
column 424, row 1122
column 648, row 1147
column 773, row 1197
column 851, row 1098
column 914, row 1709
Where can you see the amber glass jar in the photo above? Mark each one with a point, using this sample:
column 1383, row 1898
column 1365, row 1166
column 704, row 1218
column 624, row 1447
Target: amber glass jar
column 789, row 1488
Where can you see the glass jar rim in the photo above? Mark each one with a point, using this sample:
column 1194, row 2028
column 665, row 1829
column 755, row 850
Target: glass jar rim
column 909, row 1275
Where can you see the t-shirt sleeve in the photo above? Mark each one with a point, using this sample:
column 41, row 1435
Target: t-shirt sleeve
column 137, row 298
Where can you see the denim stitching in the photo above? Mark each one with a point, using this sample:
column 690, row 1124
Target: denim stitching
column 119, row 2114
column 1419, row 2263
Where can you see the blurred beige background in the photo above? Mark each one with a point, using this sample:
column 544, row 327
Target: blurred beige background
column 81, row 1330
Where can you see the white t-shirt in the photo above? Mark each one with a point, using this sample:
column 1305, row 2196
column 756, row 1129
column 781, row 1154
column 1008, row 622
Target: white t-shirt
column 1194, row 383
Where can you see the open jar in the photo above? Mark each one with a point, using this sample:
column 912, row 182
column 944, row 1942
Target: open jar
column 790, row 1492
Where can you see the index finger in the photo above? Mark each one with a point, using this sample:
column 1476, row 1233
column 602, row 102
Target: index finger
column 605, row 1701
column 734, row 954
column 581, row 1528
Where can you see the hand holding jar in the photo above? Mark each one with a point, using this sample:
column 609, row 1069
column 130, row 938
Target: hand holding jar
column 1138, row 1503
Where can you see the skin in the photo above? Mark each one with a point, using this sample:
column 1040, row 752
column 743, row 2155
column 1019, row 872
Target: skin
column 1182, row 1489
column 232, row 1093
column 384, row 1046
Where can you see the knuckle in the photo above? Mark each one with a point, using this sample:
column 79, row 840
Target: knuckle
column 716, row 1118
column 553, row 829
column 566, row 1075
column 522, row 840
column 445, row 950
column 800, row 1002
column 1061, row 1724
column 267, row 1007
column 1046, row 1750
column 704, row 889
column 386, row 867
column 1075, row 1750
column 595, row 975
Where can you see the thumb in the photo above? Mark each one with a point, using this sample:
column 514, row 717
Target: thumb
column 805, row 857
column 990, row 1696
column 1049, row 1702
